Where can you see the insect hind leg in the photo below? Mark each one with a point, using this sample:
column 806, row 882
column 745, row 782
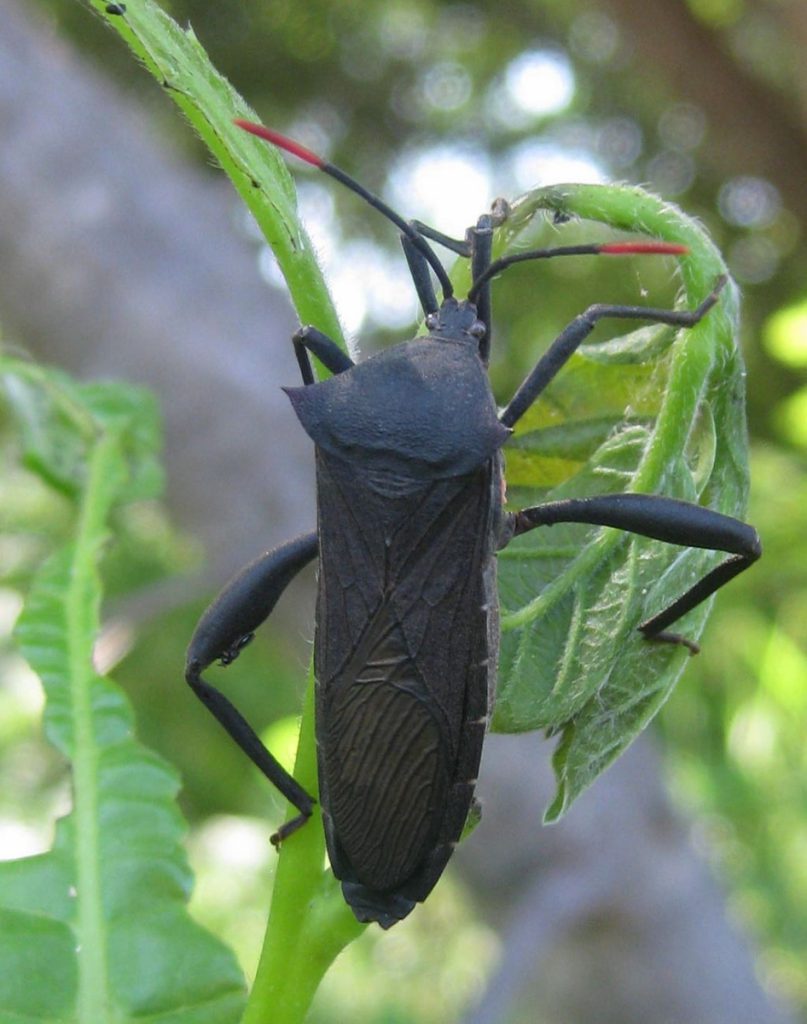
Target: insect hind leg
column 665, row 519
column 223, row 630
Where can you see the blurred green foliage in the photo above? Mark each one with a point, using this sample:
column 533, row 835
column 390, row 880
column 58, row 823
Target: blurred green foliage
column 370, row 85
column 736, row 726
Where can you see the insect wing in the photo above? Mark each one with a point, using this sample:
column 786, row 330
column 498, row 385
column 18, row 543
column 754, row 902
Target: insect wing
column 402, row 666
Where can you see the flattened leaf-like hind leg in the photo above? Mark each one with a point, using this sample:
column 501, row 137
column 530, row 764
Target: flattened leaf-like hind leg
column 665, row 519
column 224, row 630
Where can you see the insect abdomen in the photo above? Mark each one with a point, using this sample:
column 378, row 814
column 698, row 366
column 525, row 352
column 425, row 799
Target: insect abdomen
column 385, row 756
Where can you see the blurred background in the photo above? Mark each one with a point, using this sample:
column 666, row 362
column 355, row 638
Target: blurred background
column 676, row 890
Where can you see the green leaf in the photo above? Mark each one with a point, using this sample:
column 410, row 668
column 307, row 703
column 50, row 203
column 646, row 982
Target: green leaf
column 96, row 929
column 654, row 412
column 59, row 420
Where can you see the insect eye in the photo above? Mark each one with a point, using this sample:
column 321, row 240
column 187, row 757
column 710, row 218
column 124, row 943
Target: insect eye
column 431, row 321
column 477, row 329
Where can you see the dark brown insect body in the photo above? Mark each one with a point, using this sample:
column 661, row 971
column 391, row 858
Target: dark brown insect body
column 407, row 632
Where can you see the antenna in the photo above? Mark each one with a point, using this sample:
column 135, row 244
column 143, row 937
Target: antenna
column 302, row 153
column 593, row 249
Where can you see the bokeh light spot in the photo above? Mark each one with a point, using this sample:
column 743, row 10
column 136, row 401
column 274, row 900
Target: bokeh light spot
column 540, row 82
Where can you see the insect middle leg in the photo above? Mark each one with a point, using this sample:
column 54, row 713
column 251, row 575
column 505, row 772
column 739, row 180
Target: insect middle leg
column 224, row 630
column 664, row 519
column 570, row 339
column 655, row 516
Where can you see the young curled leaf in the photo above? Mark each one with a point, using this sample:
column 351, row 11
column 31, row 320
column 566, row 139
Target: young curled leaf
column 657, row 412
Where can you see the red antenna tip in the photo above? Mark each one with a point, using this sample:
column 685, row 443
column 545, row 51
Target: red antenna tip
column 657, row 248
column 280, row 140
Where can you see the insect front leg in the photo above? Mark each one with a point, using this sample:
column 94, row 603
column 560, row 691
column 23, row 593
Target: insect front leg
column 332, row 357
column 665, row 519
column 421, row 276
column 224, row 630
column 481, row 238
column 476, row 246
column 467, row 247
column 570, row 339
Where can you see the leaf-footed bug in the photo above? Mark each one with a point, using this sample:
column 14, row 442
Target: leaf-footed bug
column 410, row 518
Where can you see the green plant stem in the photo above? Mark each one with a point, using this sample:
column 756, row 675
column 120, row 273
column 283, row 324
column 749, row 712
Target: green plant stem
column 309, row 922
column 178, row 61
column 279, row 993
column 95, row 1001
